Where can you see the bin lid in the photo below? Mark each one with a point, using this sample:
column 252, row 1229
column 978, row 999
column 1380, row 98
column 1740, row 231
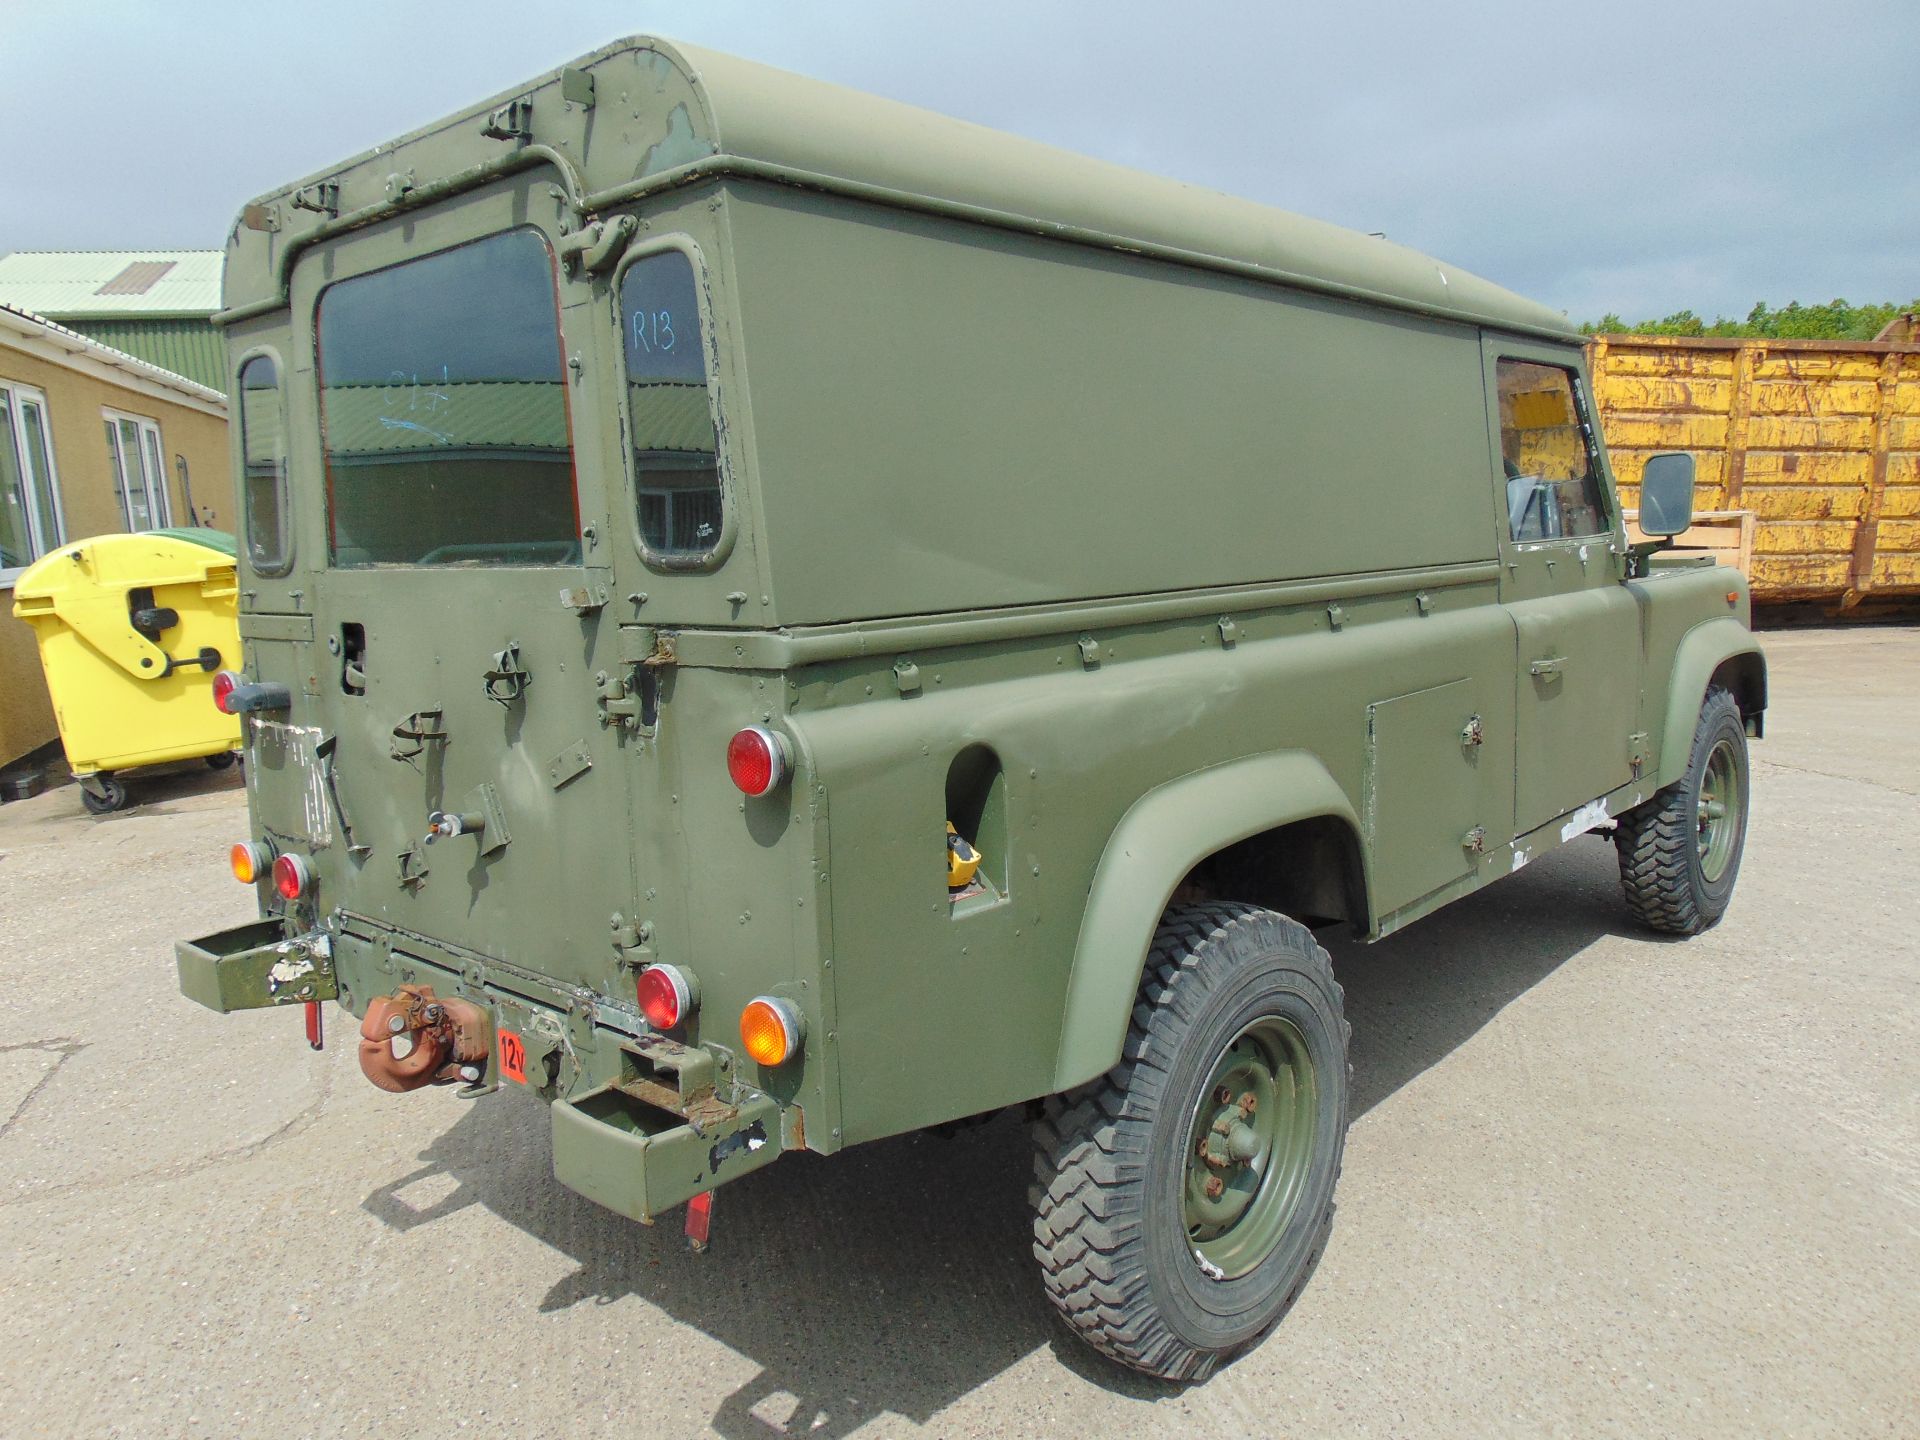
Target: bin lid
column 122, row 562
column 199, row 534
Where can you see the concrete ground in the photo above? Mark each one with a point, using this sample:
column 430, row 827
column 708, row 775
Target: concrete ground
column 1598, row 1184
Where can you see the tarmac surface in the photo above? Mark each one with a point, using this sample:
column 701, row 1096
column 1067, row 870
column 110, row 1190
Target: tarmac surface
column 1598, row 1183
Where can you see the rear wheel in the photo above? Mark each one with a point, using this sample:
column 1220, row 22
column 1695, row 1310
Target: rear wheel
column 224, row 760
column 1184, row 1197
column 1680, row 852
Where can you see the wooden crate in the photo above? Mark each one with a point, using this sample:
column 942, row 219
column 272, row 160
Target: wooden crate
column 1728, row 534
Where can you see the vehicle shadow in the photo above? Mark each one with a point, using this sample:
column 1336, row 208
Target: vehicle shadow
column 898, row 1277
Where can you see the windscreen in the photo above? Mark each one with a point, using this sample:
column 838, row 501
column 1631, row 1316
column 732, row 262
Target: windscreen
column 443, row 411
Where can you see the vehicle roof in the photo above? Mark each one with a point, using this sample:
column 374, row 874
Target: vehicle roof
column 784, row 126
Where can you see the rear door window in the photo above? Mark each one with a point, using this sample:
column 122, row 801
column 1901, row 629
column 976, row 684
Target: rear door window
column 443, row 411
column 671, row 441
column 1547, row 451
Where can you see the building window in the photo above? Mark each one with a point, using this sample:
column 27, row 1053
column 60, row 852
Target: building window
column 30, row 518
column 139, row 479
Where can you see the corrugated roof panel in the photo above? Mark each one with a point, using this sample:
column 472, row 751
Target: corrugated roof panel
column 64, row 284
column 188, row 346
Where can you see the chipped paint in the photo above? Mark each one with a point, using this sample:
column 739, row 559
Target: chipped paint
column 1520, row 858
column 1590, row 816
column 1208, row 1268
column 301, row 743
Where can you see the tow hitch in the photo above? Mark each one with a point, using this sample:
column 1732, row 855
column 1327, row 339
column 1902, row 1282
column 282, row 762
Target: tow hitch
column 413, row 1038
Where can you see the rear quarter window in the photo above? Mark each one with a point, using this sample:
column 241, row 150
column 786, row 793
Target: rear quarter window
column 673, row 450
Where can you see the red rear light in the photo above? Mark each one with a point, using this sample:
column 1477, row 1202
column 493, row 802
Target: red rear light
column 756, row 760
column 292, row 877
column 224, row 684
column 667, row 995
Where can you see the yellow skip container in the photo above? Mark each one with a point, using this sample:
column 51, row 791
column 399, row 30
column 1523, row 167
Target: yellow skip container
column 131, row 630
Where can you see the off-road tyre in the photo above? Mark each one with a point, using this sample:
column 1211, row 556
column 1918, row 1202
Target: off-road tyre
column 1111, row 1199
column 1675, row 881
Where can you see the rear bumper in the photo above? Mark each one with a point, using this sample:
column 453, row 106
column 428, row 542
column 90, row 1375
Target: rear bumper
column 255, row 966
column 638, row 1160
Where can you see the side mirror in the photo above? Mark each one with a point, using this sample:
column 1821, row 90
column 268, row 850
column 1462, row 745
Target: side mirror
column 1666, row 494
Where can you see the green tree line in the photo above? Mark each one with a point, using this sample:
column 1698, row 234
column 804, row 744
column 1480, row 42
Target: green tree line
column 1836, row 320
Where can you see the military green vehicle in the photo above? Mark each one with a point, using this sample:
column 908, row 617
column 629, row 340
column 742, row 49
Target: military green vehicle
column 775, row 619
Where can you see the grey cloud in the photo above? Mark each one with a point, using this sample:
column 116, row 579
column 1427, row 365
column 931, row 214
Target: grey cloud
column 1632, row 157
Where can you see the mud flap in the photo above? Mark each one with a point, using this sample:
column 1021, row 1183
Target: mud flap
column 255, row 967
column 639, row 1161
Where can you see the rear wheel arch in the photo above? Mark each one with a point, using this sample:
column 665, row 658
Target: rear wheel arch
column 1277, row 826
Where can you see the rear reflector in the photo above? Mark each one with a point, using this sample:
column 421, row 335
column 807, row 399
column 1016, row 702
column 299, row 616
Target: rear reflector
column 292, row 877
column 224, row 684
column 771, row 1030
column 756, row 760
column 667, row 995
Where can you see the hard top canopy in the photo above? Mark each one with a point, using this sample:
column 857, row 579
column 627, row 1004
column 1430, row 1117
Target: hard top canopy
column 670, row 114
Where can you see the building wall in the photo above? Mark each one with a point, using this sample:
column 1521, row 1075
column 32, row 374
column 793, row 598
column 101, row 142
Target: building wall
column 74, row 403
column 192, row 348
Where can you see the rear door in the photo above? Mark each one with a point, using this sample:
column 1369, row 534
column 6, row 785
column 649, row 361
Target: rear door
column 463, row 630
column 1561, row 551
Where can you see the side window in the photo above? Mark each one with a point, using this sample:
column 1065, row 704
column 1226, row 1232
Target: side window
column 139, row 479
column 29, row 492
column 263, row 461
column 675, row 454
column 1546, row 449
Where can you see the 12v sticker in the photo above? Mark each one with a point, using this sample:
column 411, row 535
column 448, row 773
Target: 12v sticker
column 513, row 1057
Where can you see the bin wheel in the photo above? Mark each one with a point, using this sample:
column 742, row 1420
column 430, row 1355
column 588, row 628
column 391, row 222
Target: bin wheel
column 102, row 795
column 223, row 761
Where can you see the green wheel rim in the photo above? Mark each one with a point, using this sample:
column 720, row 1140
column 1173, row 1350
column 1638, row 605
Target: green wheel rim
column 1719, row 811
column 1250, row 1145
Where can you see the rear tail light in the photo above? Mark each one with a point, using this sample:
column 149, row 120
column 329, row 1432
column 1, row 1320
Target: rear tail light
column 667, row 995
column 292, row 877
column 771, row 1030
column 224, row 684
column 756, row 760
column 250, row 862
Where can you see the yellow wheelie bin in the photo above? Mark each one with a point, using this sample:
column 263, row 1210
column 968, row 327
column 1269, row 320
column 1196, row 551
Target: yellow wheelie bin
column 131, row 630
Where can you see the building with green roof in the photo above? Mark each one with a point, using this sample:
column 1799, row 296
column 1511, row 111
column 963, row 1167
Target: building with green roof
column 156, row 305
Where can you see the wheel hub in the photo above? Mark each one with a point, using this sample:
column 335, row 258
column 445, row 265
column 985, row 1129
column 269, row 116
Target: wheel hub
column 1250, row 1147
column 1717, row 816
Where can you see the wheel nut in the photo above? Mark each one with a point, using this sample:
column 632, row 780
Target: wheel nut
column 1249, row 1102
column 1223, row 1096
column 1216, row 1187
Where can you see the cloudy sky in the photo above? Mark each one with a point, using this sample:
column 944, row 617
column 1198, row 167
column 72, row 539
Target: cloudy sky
column 1624, row 156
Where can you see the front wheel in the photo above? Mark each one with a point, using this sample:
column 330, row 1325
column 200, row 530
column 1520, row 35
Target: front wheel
column 1680, row 851
column 1183, row 1199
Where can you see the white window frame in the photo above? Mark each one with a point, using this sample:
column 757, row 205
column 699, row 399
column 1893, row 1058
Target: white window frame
column 153, row 484
column 40, row 544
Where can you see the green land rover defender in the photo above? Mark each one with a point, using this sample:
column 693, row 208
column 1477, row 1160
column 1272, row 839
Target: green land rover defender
column 775, row 619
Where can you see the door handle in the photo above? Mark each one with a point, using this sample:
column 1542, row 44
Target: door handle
column 1547, row 668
